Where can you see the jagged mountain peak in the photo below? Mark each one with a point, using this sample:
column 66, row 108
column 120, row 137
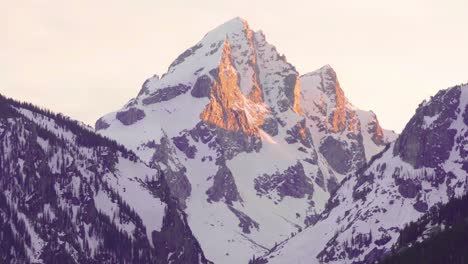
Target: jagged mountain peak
column 329, row 83
column 229, row 108
column 207, row 52
column 324, row 68
column 251, row 156
column 233, row 25
column 267, row 82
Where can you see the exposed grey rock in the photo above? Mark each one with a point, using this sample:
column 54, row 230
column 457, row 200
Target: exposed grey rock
column 337, row 154
column 421, row 206
column 144, row 88
column 289, row 85
column 283, row 105
column 311, row 219
column 408, row 188
column 202, row 132
column 130, row 116
column 246, row 223
column 312, row 161
column 330, row 75
column 175, row 234
column 215, row 74
column 230, row 143
column 292, row 182
column 332, row 185
column 384, row 239
column 299, row 133
column 101, row 124
column 302, row 149
column 465, row 115
column 361, row 189
column 182, row 143
column 214, row 48
column 179, row 185
column 175, row 177
column 165, row 94
column 202, row 87
column 184, row 55
column 224, row 186
column 320, row 180
column 421, row 146
column 270, row 126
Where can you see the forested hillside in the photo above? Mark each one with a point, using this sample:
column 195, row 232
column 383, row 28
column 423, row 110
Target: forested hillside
column 440, row 236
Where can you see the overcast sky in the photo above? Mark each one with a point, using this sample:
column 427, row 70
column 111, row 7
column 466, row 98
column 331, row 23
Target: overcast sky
column 86, row 58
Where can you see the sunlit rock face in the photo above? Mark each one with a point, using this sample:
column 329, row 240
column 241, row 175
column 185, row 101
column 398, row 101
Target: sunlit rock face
column 229, row 108
column 237, row 124
column 426, row 166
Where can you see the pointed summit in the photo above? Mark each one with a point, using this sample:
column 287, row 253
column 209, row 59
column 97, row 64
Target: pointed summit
column 264, row 76
column 233, row 26
column 228, row 108
column 326, row 67
column 245, row 133
column 333, row 101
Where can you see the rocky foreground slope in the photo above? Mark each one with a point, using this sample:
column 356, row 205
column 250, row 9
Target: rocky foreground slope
column 69, row 195
column 251, row 149
column 426, row 166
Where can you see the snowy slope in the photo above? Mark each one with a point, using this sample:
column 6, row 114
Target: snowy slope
column 427, row 165
column 232, row 126
column 68, row 195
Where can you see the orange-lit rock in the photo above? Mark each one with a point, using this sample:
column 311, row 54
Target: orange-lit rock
column 249, row 36
column 378, row 135
column 339, row 115
column 354, row 125
column 297, row 97
column 256, row 94
column 229, row 108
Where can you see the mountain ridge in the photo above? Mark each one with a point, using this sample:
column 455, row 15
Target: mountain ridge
column 229, row 155
column 392, row 190
column 72, row 196
column 251, row 157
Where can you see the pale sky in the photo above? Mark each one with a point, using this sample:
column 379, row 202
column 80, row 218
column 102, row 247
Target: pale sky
column 86, row 58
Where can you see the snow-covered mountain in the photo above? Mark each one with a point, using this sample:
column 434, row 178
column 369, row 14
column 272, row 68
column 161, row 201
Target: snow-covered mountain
column 251, row 149
column 427, row 165
column 69, row 195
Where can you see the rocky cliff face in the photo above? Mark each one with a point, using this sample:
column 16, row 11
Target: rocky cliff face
column 69, row 195
column 249, row 149
column 426, row 166
column 229, row 109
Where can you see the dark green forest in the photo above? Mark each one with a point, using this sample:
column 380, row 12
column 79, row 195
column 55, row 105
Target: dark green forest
column 447, row 245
